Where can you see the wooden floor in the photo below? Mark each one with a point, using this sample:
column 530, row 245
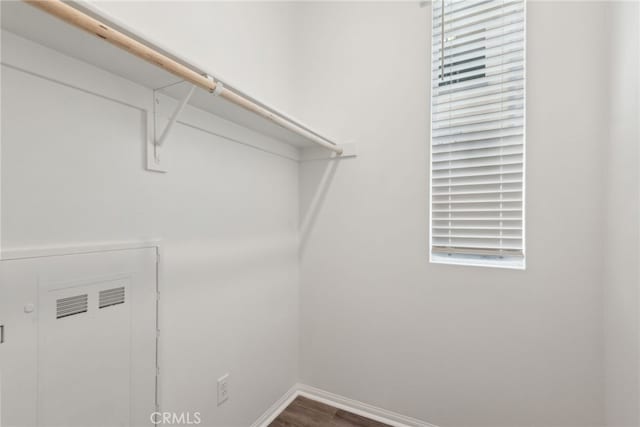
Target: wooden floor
column 303, row 412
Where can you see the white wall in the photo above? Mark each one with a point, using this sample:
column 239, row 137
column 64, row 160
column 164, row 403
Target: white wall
column 621, row 280
column 247, row 43
column 72, row 173
column 456, row 346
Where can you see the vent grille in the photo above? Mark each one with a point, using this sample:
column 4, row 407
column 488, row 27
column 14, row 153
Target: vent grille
column 70, row 306
column 111, row 297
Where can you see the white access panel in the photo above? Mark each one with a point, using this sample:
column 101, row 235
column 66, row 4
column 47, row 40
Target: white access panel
column 80, row 339
column 18, row 352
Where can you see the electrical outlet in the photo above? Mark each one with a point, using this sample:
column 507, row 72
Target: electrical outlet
column 223, row 389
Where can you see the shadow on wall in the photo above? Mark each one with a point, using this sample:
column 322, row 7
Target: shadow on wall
column 322, row 173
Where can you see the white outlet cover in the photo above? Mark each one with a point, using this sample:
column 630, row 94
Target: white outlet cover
column 223, row 389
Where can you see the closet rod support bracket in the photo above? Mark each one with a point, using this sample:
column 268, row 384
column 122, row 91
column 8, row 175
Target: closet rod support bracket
column 156, row 140
column 174, row 116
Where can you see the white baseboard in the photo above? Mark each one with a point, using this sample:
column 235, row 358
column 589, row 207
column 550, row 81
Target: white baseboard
column 340, row 402
column 275, row 409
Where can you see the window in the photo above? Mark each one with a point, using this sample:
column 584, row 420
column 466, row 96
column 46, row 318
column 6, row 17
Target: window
column 478, row 132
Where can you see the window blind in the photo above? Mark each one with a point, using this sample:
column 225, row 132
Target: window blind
column 477, row 122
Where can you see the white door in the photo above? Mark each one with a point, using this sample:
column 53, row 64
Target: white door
column 80, row 339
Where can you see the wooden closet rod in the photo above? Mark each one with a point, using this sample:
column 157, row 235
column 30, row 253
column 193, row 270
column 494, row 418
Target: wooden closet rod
column 85, row 22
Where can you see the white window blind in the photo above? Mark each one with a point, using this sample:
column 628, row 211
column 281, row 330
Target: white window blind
column 477, row 136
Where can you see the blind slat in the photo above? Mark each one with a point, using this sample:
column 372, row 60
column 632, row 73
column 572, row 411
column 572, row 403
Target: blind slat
column 470, row 201
column 458, row 7
column 508, row 141
column 481, row 220
column 486, row 35
column 481, row 61
column 478, row 135
column 476, row 251
column 478, row 153
column 455, row 57
column 457, row 165
column 509, row 15
column 475, row 210
column 493, row 107
column 488, row 100
column 491, row 171
column 482, row 94
column 473, row 193
column 471, row 236
column 479, row 118
column 477, row 182
column 481, row 243
column 455, row 86
column 478, row 228
column 454, row 12
column 477, row 128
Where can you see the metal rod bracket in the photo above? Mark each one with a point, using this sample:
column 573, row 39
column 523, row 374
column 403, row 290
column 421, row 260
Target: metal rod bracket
column 156, row 140
column 174, row 116
column 219, row 88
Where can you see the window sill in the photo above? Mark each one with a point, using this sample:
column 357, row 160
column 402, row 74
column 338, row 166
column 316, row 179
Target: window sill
column 511, row 263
